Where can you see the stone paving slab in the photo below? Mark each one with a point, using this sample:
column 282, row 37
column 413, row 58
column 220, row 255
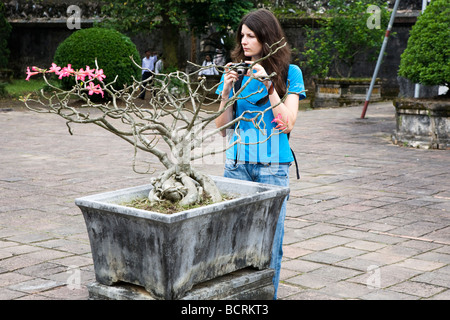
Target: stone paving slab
column 367, row 220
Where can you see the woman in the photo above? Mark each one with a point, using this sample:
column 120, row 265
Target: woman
column 269, row 161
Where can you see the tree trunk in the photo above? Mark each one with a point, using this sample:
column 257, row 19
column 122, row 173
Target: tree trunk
column 181, row 182
column 170, row 43
column 184, row 187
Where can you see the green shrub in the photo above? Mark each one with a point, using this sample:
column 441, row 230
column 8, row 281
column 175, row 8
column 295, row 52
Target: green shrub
column 426, row 59
column 111, row 49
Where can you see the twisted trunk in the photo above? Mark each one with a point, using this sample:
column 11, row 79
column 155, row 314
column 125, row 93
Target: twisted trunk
column 180, row 182
column 184, row 187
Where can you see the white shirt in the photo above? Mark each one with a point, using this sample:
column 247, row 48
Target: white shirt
column 210, row 71
column 147, row 64
column 158, row 66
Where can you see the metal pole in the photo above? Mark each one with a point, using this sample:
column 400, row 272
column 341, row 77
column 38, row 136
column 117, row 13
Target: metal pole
column 417, row 85
column 380, row 58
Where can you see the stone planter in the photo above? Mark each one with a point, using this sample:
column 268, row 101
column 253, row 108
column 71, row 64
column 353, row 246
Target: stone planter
column 422, row 123
column 168, row 254
column 335, row 92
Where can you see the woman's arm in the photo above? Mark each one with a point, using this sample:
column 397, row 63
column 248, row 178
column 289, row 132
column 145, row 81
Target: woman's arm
column 229, row 79
column 286, row 112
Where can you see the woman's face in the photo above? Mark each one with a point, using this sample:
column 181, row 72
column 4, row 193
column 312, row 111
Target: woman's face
column 251, row 45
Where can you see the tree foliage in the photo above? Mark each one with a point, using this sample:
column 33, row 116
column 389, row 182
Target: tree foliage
column 141, row 15
column 134, row 16
column 342, row 35
column 427, row 55
column 222, row 15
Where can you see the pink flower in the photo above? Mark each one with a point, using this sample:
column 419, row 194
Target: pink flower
column 277, row 119
column 281, row 125
column 82, row 74
column 66, row 71
column 30, row 73
column 79, row 74
column 54, row 68
column 99, row 75
column 89, row 72
column 95, row 89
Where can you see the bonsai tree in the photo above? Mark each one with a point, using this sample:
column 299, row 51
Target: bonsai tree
column 178, row 120
column 426, row 57
column 344, row 34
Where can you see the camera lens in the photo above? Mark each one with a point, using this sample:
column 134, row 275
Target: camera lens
column 242, row 68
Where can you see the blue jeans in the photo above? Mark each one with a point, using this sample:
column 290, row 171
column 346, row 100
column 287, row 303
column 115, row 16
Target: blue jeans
column 269, row 174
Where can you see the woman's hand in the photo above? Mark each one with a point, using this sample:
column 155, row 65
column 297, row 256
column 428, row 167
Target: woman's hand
column 228, row 81
column 260, row 73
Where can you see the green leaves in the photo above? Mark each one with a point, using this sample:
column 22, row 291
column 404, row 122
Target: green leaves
column 223, row 15
column 142, row 15
column 427, row 55
column 342, row 36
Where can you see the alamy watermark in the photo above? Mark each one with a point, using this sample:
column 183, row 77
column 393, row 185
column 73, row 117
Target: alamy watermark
column 74, row 20
column 74, row 280
column 374, row 279
column 374, row 21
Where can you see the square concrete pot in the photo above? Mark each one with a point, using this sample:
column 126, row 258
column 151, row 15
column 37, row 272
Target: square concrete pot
column 168, row 254
column 345, row 92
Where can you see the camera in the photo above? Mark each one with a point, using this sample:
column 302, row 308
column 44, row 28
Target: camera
column 240, row 68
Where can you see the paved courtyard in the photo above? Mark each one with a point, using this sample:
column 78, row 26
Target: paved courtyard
column 367, row 219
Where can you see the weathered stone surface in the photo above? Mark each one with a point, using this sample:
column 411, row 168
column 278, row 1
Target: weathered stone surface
column 244, row 284
column 422, row 123
column 337, row 92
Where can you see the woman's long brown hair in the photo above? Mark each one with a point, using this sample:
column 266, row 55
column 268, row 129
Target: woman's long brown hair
column 268, row 31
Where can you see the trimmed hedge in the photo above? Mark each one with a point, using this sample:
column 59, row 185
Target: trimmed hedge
column 426, row 57
column 111, row 48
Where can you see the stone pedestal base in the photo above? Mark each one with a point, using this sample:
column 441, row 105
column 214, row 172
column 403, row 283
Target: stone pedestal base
column 422, row 123
column 244, row 284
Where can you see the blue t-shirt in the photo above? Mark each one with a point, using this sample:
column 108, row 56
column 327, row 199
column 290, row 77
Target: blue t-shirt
column 275, row 149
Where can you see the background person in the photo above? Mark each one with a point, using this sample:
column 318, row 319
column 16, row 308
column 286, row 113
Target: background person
column 148, row 65
column 159, row 65
column 209, row 71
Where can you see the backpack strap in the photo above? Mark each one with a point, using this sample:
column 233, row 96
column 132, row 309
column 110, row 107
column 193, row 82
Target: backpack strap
column 295, row 159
